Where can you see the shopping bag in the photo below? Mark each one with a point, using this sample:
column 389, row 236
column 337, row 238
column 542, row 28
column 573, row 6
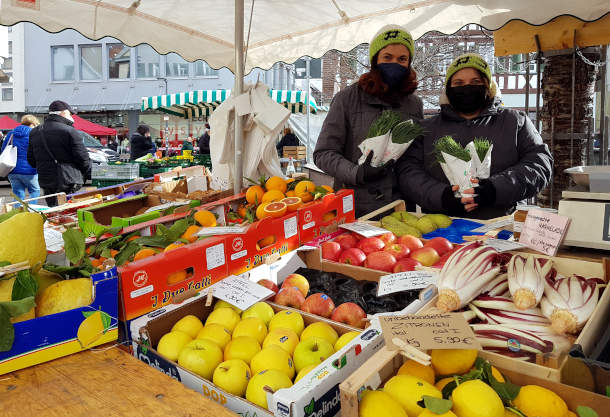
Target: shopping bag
column 8, row 158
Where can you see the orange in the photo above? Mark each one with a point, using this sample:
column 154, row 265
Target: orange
column 96, row 263
column 328, row 216
column 266, row 241
column 276, row 209
column 305, row 197
column 134, row 237
column 173, row 246
column 289, row 180
column 260, row 211
column 144, row 253
column 254, row 195
column 304, row 186
column 292, row 203
column 328, row 188
column 113, row 253
column 175, row 277
column 276, row 183
column 205, row 218
column 410, row 367
column 189, row 234
column 291, row 193
column 242, row 210
column 273, row 195
column 88, row 250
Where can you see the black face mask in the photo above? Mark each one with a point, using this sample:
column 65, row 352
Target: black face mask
column 467, row 99
column 393, row 74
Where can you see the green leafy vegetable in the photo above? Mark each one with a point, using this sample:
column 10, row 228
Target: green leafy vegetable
column 450, row 147
column 64, row 271
column 25, row 285
column 481, row 145
column 74, row 245
column 435, row 405
column 127, row 253
column 7, row 331
column 19, row 307
column 405, row 132
column 583, row 411
column 384, row 123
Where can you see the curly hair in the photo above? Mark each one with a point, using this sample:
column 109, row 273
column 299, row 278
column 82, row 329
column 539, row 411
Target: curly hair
column 372, row 83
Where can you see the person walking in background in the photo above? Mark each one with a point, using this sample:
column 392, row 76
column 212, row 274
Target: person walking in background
column 204, row 141
column 23, row 177
column 289, row 139
column 56, row 142
column 124, row 145
column 187, row 145
column 141, row 143
column 112, row 144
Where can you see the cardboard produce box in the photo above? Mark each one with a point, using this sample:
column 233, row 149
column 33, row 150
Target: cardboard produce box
column 325, row 215
column 49, row 337
column 316, row 394
column 385, row 363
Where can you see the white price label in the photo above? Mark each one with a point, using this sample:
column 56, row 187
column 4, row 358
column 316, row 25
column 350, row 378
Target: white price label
column 364, row 229
column 240, row 292
column 405, row 281
column 290, row 227
column 215, row 256
column 503, row 245
column 53, row 239
column 222, row 230
column 348, row 203
column 493, row 226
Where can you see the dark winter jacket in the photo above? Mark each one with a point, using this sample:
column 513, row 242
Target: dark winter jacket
column 141, row 145
column 204, row 143
column 351, row 113
column 288, row 140
column 21, row 139
column 66, row 145
column 521, row 164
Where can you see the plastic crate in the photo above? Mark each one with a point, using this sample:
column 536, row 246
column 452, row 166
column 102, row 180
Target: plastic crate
column 96, row 182
column 115, row 171
column 147, row 171
column 203, row 159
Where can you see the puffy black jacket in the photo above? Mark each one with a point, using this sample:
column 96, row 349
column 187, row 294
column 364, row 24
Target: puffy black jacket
column 204, row 143
column 288, row 140
column 141, row 145
column 66, row 145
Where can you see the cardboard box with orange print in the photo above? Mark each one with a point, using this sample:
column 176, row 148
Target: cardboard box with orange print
column 325, row 215
column 151, row 283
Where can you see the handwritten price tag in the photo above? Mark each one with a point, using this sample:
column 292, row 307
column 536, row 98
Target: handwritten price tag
column 240, row 292
column 544, row 231
column 364, row 229
column 404, row 281
column 502, row 245
column 429, row 331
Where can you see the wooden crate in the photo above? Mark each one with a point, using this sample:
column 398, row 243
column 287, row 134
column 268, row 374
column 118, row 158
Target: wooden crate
column 385, row 363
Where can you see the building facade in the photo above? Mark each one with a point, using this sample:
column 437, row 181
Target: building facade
column 12, row 94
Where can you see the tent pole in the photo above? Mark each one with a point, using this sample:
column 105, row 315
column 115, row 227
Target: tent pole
column 307, row 69
column 238, row 89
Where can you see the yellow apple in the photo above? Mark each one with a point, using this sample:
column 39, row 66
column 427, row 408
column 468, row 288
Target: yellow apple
column 320, row 329
column 344, row 339
column 172, row 343
column 312, row 351
column 285, row 338
column 200, row 356
column 273, row 357
column 304, row 372
column 243, row 347
column 253, row 327
column 189, row 324
column 261, row 310
column 224, row 304
column 288, row 320
column 226, row 317
column 232, row 376
column 216, row 333
column 271, row 378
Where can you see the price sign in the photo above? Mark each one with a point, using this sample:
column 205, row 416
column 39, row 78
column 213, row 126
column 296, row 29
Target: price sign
column 364, row 229
column 240, row 292
column 544, row 231
column 429, row 331
column 502, row 245
column 404, row 281
column 493, row 226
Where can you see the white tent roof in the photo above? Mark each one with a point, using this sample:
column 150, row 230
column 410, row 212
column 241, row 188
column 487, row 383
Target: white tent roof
column 282, row 30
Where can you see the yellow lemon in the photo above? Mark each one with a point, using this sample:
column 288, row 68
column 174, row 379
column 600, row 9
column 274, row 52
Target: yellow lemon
column 428, row 413
column 452, row 361
column 418, row 370
column 64, row 295
column 534, row 400
column 442, row 382
column 408, row 390
column 477, row 399
column 379, row 404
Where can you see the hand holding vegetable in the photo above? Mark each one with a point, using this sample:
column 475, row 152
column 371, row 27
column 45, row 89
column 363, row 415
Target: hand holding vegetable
column 368, row 173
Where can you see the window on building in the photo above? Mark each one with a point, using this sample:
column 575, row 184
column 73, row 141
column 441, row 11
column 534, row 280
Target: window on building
column 202, row 69
column 10, row 47
column 7, row 64
column 7, row 94
column 10, row 78
column 62, row 61
column 118, row 61
column 515, row 64
column 175, row 66
column 147, row 62
column 91, row 62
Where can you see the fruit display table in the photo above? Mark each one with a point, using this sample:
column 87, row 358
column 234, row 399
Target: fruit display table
column 100, row 383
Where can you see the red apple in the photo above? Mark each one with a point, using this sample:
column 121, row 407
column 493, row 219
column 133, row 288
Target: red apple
column 405, row 264
column 298, row 281
column 440, row 245
column 347, row 241
column 371, row 244
column 349, row 313
column 410, row 242
column 427, row 256
column 352, row 256
column 398, row 250
column 388, row 238
column 331, row 251
column 267, row 283
column 290, row 297
column 381, row 261
column 444, row 258
column 318, row 304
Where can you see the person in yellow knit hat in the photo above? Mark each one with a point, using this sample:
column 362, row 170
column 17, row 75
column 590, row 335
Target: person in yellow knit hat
column 471, row 107
column 389, row 85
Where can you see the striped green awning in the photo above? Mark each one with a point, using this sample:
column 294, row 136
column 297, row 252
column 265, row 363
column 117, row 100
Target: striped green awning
column 192, row 104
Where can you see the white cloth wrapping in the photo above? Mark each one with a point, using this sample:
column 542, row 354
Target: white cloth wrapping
column 480, row 169
column 385, row 150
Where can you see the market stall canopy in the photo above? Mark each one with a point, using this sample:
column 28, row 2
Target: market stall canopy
column 197, row 103
column 280, row 30
column 6, row 123
column 92, row 128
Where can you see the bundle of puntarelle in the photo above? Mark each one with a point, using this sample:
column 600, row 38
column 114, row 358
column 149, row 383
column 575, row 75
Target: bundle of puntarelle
column 388, row 138
column 455, row 161
column 480, row 153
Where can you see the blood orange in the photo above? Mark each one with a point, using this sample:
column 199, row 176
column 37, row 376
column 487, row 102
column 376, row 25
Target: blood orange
column 276, row 209
column 293, row 203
